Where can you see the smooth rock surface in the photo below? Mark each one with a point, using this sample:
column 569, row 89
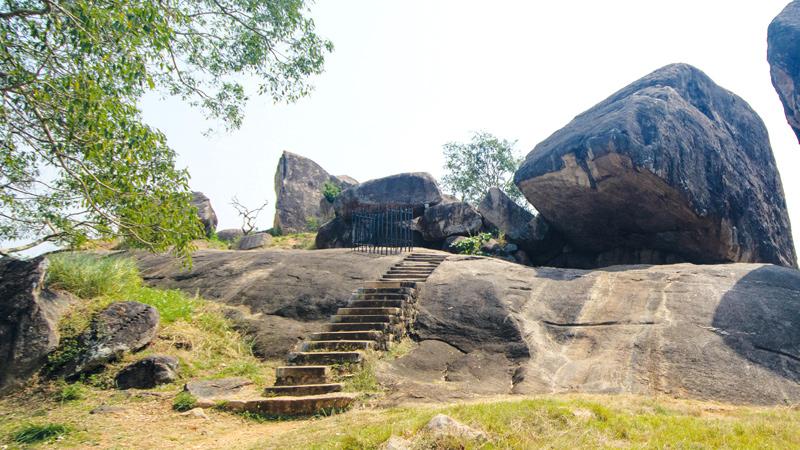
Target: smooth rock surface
column 405, row 190
column 121, row 327
column 298, row 189
column 221, row 388
column 783, row 54
column 148, row 372
column 254, row 241
column 450, row 219
column 205, row 212
column 670, row 168
column 29, row 315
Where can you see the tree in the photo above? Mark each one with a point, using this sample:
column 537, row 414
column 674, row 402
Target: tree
column 249, row 216
column 76, row 160
column 474, row 167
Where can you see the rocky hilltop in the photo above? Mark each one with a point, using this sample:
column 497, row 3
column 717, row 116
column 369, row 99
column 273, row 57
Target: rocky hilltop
column 485, row 326
column 783, row 54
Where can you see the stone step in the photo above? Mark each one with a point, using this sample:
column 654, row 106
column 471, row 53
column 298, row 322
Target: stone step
column 368, row 311
column 410, row 271
column 365, row 318
column 346, row 336
column 359, row 326
column 301, row 358
column 292, row 406
column 338, row 346
column 433, row 258
column 294, row 375
column 386, row 291
column 302, row 389
column 399, row 277
column 378, row 303
column 383, row 284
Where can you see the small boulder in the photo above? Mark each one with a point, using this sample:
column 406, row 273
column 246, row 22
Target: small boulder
column 397, row 443
column 405, row 190
column 450, row 219
column 108, row 409
column 783, row 54
column 217, row 389
column 148, row 372
column 205, row 212
column 230, row 235
column 254, row 241
column 441, row 425
column 450, row 243
column 120, row 328
column 29, row 315
column 197, row 413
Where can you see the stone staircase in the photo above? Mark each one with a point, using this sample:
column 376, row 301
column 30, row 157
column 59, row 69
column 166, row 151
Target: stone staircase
column 378, row 314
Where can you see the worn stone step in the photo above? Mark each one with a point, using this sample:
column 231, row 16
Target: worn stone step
column 338, row 346
column 378, row 303
column 294, row 375
column 346, row 336
column 435, row 258
column 359, row 326
column 291, row 406
column 386, row 291
column 388, row 318
column 368, row 311
column 404, row 278
column 383, row 284
column 352, row 357
column 409, row 272
column 302, row 389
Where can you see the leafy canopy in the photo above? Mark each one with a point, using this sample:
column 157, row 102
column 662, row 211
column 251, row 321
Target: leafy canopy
column 76, row 160
column 472, row 168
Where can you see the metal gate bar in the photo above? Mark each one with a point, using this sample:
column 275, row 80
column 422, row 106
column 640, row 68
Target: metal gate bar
column 384, row 232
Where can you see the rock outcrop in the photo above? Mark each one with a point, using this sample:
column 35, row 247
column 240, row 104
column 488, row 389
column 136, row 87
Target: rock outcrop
column 148, row 372
column 29, row 315
column 783, row 54
column 670, row 168
column 230, row 235
column 254, row 241
column 121, row 327
column 205, row 212
column 450, row 219
column 484, row 326
column 502, row 214
column 405, row 190
column 298, row 187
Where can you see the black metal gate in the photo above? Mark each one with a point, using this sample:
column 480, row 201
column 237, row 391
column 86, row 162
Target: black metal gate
column 385, row 232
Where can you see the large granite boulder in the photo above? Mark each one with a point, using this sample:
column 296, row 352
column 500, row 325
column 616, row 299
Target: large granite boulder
column 336, row 233
column 783, row 54
column 450, row 219
column 29, row 315
column 405, row 190
column 670, row 168
column 298, row 187
column 500, row 213
column 205, row 212
column 121, row 327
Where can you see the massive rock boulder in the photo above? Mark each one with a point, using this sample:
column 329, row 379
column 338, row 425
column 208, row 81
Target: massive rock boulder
column 670, row 168
column 205, row 212
column 298, row 188
column 502, row 214
column 29, row 315
column 406, row 190
column 726, row 332
column 783, row 54
column 450, row 219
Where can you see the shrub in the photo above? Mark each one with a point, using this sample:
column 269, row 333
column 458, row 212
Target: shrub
column 312, row 223
column 472, row 244
column 33, row 433
column 330, row 191
column 89, row 276
column 184, row 401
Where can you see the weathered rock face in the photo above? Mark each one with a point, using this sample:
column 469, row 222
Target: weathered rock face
column 122, row 327
column 337, row 233
column 253, row 241
column 450, row 219
column 230, row 235
column 670, row 168
column 29, row 315
column 298, row 188
column 148, row 372
column 405, row 190
column 501, row 213
column 721, row 332
column 783, row 54
column 205, row 212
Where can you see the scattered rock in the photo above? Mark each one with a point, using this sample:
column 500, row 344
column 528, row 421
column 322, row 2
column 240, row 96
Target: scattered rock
column 397, row 443
column 670, row 168
column 783, row 54
column 298, row 187
column 405, row 190
column 441, row 425
column 29, row 315
column 230, row 235
column 216, row 389
column 122, row 327
column 450, row 219
column 198, row 413
column 205, row 212
column 107, row 409
column 148, row 372
column 254, row 241
column 491, row 246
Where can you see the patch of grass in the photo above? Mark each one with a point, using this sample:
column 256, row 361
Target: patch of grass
column 70, row 392
column 184, row 401
column 363, row 377
column 295, row 241
column 89, row 276
column 36, row 433
column 400, row 349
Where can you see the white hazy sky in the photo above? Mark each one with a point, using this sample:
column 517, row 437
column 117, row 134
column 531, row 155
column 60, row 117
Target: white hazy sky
column 408, row 76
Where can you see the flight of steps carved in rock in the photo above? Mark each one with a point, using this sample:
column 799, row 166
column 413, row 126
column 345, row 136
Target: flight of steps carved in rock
column 377, row 314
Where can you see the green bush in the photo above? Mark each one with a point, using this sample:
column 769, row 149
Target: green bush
column 312, row 223
column 184, row 401
column 330, row 191
column 33, row 433
column 472, row 244
column 89, row 276
column 70, row 392
column 172, row 305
